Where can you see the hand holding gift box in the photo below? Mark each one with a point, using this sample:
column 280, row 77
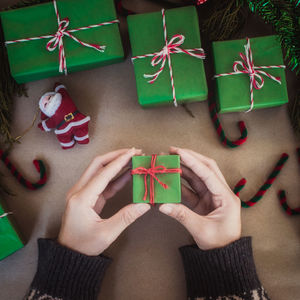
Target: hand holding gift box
column 32, row 33
column 169, row 41
column 257, row 80
column 156, row 179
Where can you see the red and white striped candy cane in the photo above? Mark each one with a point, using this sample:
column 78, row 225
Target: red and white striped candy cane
column 255, row 73
column 57, row 38
column 161, row 57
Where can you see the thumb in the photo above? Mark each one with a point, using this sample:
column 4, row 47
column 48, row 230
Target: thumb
column 189, row 219
column 124, row 217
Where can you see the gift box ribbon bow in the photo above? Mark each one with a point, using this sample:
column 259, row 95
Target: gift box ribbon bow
column 161, row 57
column 152, row 171
column 255, row 73
column 57, row 38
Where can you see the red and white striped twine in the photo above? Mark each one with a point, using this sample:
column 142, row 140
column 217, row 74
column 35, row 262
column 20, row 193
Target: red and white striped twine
column 171, row 47
column 256, row 79
column 5, row 215
column 57, row 38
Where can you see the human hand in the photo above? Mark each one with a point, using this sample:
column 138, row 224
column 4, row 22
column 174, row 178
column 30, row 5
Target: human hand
column 214, row 216
column 83, row 230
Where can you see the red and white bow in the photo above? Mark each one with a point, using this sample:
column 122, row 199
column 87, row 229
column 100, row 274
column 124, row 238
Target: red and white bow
column 57, row 41
column 173, row 46
column 255, row 73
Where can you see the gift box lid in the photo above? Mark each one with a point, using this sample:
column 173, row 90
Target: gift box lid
column 170, row 195
column 147, row 36
column 31, row 60
column 233, row 91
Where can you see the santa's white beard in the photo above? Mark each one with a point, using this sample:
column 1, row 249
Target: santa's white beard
column 50, row 107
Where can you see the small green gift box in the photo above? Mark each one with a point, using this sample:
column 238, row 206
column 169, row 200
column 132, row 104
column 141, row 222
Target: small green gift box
column 84, row 34
column 10, row 242
column 151, row 44
column 156, row 179
column 237, row 62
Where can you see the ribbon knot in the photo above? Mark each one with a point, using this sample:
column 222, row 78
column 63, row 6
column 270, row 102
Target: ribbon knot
column 152, row 171
column 160, row 57
column 255, row 73
column 57, row 39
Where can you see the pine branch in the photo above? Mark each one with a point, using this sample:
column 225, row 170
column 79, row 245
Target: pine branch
column 284, row 16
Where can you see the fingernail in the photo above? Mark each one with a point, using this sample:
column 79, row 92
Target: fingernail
column 142, row 207
column 166, row 209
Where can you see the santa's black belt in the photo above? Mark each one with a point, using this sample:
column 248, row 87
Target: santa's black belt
column 67, row 118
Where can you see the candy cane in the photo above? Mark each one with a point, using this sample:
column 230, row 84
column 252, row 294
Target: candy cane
column 283, row 199
column 39, row 165
column 225, row 141
column 263, row 189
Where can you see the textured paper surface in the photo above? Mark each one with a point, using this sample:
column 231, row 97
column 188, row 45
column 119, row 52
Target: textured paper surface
column 147, row 36
column 233, row 91
column 170, row 195
column 146, row 261
column 31, row 60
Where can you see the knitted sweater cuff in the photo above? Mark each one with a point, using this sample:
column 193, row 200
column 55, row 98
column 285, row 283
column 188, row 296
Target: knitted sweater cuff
column 220, row 272
column 66, row 274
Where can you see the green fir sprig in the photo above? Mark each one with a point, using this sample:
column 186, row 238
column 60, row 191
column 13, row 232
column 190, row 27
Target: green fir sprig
column 284, row 16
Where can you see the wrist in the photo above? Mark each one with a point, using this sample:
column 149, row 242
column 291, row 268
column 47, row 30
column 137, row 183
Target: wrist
column 66, row 274
column 218, row 272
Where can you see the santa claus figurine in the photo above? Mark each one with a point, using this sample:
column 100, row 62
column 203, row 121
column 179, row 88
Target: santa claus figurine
column 58, row 112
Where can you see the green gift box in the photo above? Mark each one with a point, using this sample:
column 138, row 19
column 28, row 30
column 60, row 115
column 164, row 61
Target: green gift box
column 146, row 34
column 30, row 60
column 233, row 91
column 156, row 179
column 10, row 242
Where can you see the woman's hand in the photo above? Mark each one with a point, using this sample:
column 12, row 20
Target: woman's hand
column 82, row 228
column 214, row 214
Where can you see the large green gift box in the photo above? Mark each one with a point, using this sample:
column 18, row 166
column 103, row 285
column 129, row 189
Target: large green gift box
column 164, row 172
column 233, row 91
column 31, row 60
column 10, row 241
column 146, row 34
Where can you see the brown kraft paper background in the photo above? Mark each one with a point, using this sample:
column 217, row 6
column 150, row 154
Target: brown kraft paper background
column 146, row 262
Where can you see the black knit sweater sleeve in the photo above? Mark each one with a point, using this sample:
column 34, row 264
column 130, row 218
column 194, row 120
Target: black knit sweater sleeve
column 63, row 274
column 224, row 273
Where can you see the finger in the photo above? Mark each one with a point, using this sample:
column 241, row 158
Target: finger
column 194, row 181
column 210, row 163
column 103, row 177
column 189, row 198
column 209, row 178
column 97, row 163
column 116, row 185
column 124, row 217
column 190, row 220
